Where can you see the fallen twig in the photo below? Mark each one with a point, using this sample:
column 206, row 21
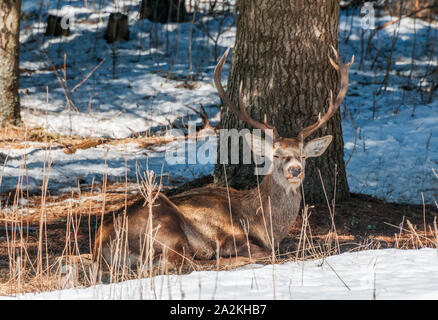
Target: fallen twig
column 88, row 76
column 410, row 14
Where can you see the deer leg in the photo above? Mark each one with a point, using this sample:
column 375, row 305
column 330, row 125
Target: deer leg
column 233, row 262
column 254, row 252
column 243, row 249
column 244, row 256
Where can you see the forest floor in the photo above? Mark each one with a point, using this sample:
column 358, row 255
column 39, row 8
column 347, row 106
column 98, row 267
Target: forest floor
column 152, row 82
column 66, row 167
column 362, row 223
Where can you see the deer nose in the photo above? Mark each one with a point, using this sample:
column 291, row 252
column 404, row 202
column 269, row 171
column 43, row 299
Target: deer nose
column 295, row 171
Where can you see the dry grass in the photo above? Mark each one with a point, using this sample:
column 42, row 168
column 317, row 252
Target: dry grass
column 34, row 265
column 12, row 137
column 48, row 239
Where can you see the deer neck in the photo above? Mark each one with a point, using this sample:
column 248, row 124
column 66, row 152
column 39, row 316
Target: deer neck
column 271, row 201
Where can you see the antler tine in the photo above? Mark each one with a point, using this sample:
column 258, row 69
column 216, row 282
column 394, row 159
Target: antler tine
column 241, row 114
column 343, row 71
column 203, row 115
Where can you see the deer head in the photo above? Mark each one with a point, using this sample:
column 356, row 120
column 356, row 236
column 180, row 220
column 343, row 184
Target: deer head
column 287, row 155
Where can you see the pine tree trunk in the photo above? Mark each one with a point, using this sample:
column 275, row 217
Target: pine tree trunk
column 281, row 56
column 9, row 61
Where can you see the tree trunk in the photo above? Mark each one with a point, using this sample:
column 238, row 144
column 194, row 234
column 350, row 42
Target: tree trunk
column 117, row 28
column 54, row 28
column 281, row 56
column 9, row 61
column 163, row 11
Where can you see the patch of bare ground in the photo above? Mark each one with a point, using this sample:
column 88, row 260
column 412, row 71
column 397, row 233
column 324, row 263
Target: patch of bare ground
column 34, row 238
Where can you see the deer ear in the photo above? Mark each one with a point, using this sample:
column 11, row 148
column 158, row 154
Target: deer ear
column 316, row 147
column 258, row 145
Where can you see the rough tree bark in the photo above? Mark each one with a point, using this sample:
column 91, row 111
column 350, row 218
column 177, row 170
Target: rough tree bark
column 54, row 28
column 117, row 28
column 9, row 61
column 281, row 55
column 163, row 11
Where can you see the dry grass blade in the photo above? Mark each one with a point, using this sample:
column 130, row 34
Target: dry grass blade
column 337, row 275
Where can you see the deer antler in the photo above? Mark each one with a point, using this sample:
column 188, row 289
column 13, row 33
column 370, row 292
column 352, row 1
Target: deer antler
column 241, row 114
column 204, row 117
column 343, row 70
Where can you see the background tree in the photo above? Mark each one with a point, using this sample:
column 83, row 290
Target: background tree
column 281, row 56
column 9, row 61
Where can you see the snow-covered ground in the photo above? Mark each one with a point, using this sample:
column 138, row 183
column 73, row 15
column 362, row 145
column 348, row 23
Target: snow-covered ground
column 132, row 92
column 374, row 274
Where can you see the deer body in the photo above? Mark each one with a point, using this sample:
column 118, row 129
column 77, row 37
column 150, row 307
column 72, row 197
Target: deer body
column 207, row 210
column 199, row 223
column 210, row 222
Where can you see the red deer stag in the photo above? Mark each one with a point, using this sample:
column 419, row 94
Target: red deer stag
column 207, row 223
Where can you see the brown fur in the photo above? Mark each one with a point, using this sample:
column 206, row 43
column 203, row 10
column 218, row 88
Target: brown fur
column 168, row 236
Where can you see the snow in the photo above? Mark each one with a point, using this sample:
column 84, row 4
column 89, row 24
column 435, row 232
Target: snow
column 85, row 166
column 373, row 274
column 132, row 92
